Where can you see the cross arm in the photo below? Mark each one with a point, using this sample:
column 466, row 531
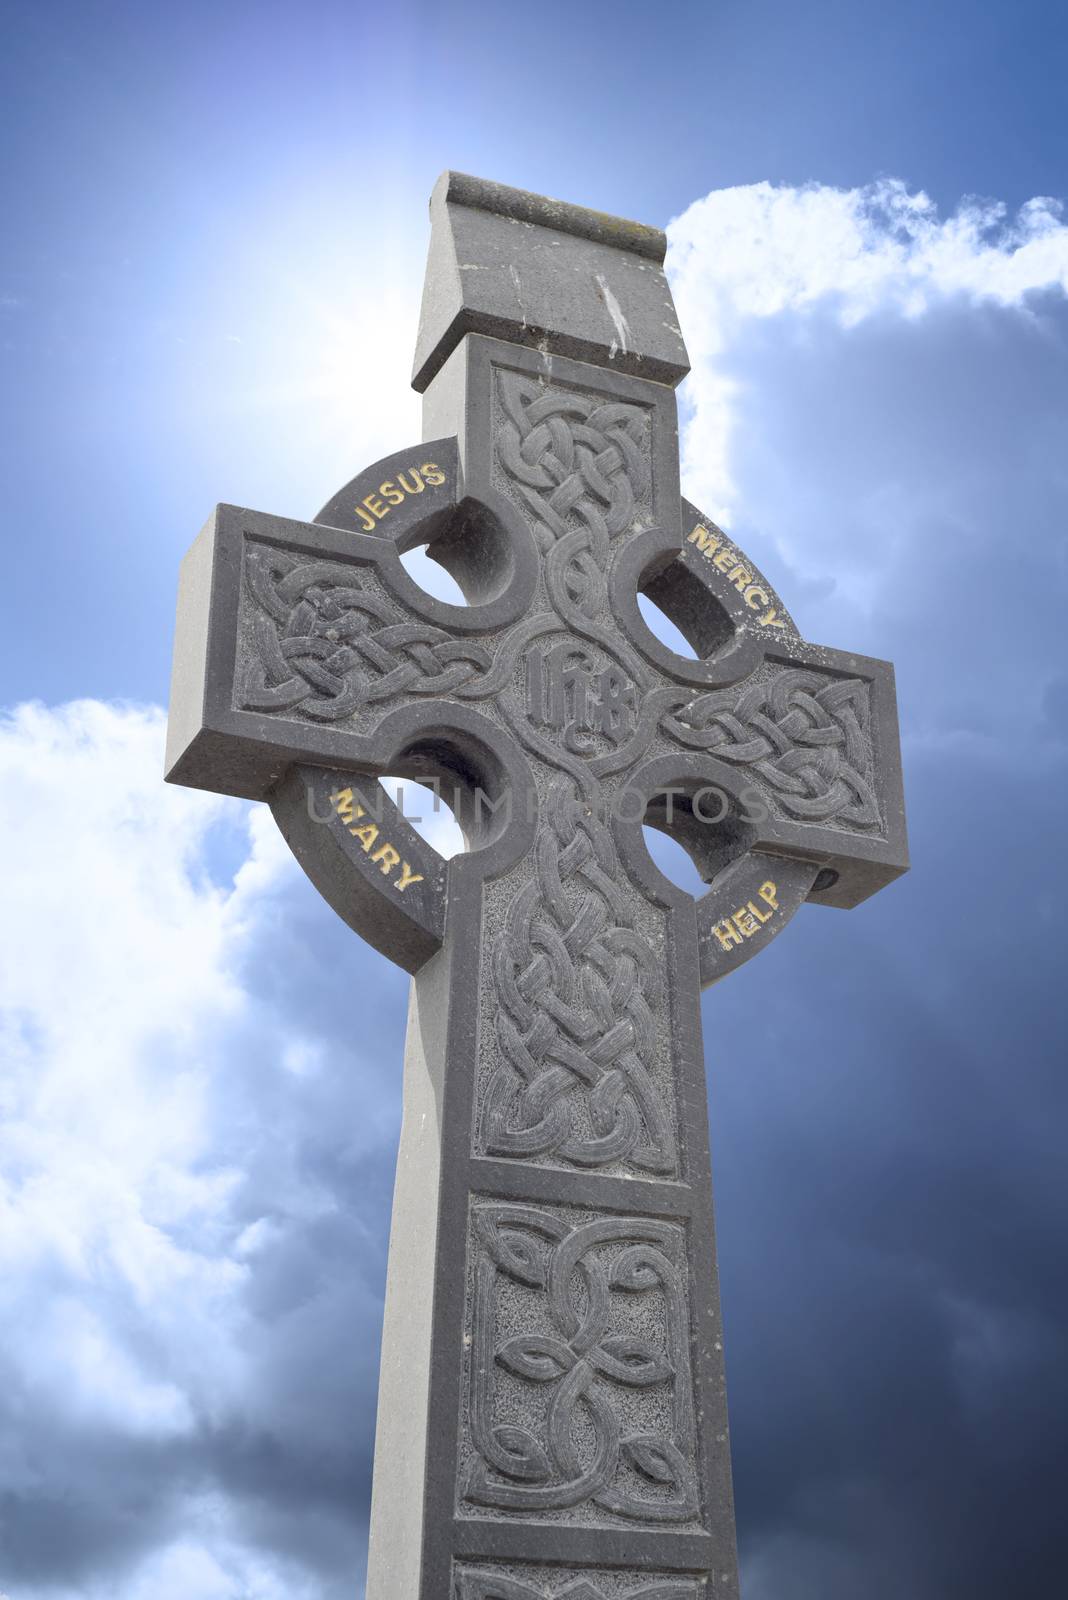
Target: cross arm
column 808, row 746
column 784, row 788
column 307, row 663
column 775, row 762
column 291, row 636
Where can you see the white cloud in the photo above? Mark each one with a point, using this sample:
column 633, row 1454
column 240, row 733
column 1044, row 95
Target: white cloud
column 749, row 253
column 118, row 962
column 146, row 1086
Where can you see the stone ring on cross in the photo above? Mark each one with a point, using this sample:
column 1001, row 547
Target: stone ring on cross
column 552, row 1419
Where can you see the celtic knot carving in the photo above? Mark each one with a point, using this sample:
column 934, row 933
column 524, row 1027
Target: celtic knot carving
column 806, row 734
column 576, row 983
column 576, row 1346
column 327, row 644
column 581, row 465
column 481, row 1585
column 573, row 455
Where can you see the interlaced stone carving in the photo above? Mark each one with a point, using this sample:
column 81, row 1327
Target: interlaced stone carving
column 576, row 983
column 580, row 464
column 596, row 1289
column 326, row 644
column 474, row 1584
column 807, row 735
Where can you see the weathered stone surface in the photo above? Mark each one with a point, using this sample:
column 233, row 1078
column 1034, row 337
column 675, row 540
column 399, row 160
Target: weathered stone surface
column 537, row 272
column 552, row 1417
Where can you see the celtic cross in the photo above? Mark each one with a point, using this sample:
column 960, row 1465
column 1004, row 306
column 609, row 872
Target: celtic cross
column 552, row 1419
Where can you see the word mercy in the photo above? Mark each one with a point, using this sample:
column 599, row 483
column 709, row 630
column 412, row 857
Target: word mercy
column 376, row 505
column 726, row 559
column 349, row 810
column 748, row 919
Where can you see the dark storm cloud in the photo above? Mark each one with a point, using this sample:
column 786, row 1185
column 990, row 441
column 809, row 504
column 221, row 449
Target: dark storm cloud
column 888, row 1088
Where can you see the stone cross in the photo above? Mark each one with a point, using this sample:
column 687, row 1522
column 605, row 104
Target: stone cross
column 552, row 1420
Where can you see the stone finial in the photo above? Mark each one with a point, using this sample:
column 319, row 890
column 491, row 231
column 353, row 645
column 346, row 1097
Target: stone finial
column 538, row 272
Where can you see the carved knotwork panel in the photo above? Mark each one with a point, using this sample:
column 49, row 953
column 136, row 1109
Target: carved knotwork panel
column 574, row 1054
column 802, row 736
column 523, row 1581
column 321, row 640
column 578, row 1393
column 577, row 464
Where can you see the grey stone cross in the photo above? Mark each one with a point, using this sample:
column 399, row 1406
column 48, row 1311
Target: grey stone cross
column 551, row 1418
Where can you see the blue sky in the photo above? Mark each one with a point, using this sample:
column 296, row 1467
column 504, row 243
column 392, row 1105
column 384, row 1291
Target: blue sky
column 209, row 279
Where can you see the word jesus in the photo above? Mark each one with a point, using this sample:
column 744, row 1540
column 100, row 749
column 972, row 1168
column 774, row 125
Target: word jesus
column 394, row 492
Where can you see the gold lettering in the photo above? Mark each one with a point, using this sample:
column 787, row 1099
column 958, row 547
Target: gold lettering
column 432, row 474
column 772, row 619
column 748, row 919
column 706, row 542
column 366, row 521
column 366, row 835
column 387, row 858
column 391, row 492
column 725, row 560
column 346, row 807
column 375, row 505
column 415, row 487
